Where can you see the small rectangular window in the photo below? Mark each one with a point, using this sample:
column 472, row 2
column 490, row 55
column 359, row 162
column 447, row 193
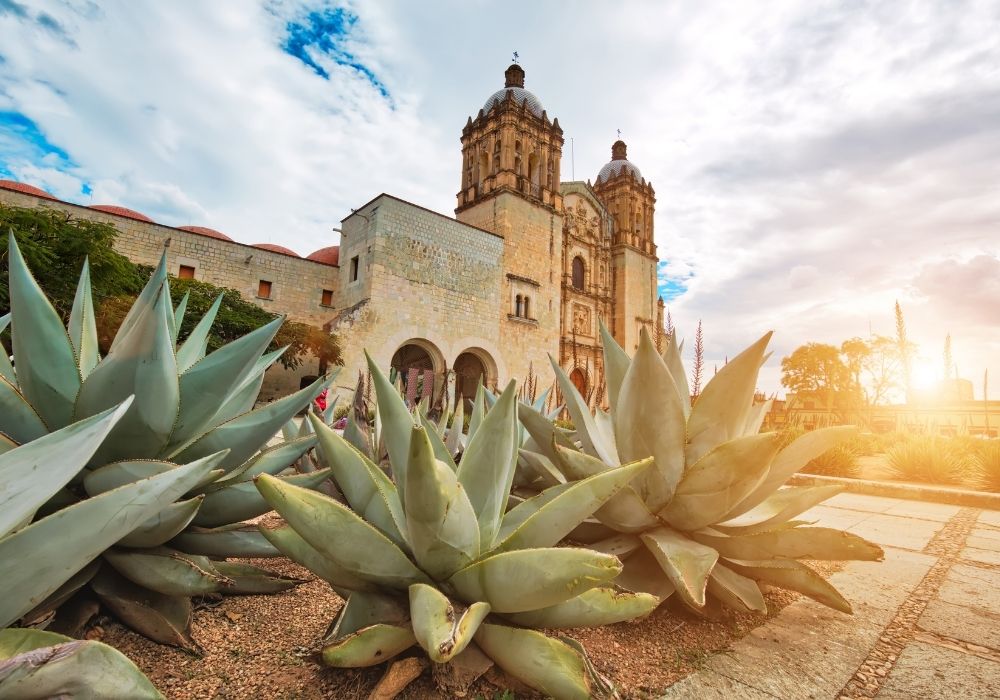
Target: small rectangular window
column 354, row 268
column 327, row 299
column 264, row 289
column 186, row 272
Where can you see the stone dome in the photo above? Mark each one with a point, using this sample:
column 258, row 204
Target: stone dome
column 328, row 256
column 515, row 84
column 15, row 186
column 123, row 211
column 277, row 249
column 619, row 163
column 205, row 231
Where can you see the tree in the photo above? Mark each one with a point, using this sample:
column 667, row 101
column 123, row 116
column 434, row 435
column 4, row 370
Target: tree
column 817, row 369
column 699, row 362
column 54, row 244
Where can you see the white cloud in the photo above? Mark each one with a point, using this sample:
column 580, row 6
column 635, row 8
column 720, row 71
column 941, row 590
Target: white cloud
column 813, row 162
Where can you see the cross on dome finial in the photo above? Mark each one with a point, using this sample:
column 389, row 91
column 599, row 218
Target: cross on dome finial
column 515, row 57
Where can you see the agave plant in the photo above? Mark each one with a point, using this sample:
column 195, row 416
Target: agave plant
column 63, row 546
column 432, row 557
column 711, row 520
column 188, row 407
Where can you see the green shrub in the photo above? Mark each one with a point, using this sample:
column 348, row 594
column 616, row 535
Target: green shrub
column 987, row 465
column 841, row 460
column 789, row 435
column 928, row 459
column 866, row 444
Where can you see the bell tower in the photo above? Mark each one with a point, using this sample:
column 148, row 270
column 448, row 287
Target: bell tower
column 511, row 146
column 630, row 200
column 511, row 154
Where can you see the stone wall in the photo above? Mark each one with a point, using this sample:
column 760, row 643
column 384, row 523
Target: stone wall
column 423, row 277
column 297, row 284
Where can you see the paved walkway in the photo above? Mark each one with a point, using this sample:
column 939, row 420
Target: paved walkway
column 926, row 620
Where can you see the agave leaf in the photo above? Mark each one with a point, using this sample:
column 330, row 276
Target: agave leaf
column 543, row 432
column 368, row 491
column 547, row 665
column 242, row 501
column 145, row 299
column 720, row 413
column 528, row 579
column 6, row 444
column 440, row 450
column 291, row 544
column 368, row 646
column 272, row 460
column 141, row 363
column 790, row 460
column 626, row 512
column 245, row 396
column 397, row 422
column 779, row 508
column 541, row 467
column 179, row 312
column 82, row 327
column 821, row 543
column 619, row 545
column 340, row 535
column 56, row 666
column 167, row 571
column 556, row 518
column 755, row 418
column 453, row 439
column 359, row 436
column 649, row 422
column 236, row 540
column 596, row 607
column 164, row 619
column 248, row 433
column 62, row 594
column 586, row 429
column 116, row 474
column 616, row 363
column 6, row 368
column 210, row 382
column 672, row 359
column 93, row 525
column 253, row 580
column 47, row 373
column 31, row 474
column 478, row 411
column 685, row 562
column 720, row 480
column 487, row 468
column 158, row 529
column 606, row 428
column 196, row 344
column 442, row 632
column 736, row 591
column 795, row 576
column 642, row 573
column 440, row 520
column 577, row 465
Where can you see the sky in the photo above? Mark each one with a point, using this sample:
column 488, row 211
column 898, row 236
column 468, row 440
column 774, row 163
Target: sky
column 814, row 162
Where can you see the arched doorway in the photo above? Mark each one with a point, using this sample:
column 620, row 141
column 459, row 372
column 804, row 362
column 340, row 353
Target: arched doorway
column 469, row 372
column 579, row 380
column 416, row 366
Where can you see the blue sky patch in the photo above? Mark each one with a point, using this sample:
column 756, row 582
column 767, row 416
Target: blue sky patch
column 20, row 136
column 669, row 288
column 327, row 31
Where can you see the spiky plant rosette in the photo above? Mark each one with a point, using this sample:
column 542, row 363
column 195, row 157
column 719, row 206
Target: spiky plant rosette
column 183, row 407
column 432, row 557
column 712, row 519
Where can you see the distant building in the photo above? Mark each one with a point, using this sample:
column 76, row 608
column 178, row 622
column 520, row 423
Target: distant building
column 527, row 267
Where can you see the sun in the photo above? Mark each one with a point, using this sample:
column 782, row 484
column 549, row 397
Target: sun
column 925, row 375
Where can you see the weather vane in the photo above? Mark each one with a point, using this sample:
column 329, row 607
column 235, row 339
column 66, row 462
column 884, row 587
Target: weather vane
column 515, row 57
column 619, row 134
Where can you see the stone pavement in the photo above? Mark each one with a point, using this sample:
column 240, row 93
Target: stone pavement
column 926, row 620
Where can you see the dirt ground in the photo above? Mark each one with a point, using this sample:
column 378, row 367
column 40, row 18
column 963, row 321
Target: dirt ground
column 260, row 647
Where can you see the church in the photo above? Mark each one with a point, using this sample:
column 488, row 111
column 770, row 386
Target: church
column 525, row 269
